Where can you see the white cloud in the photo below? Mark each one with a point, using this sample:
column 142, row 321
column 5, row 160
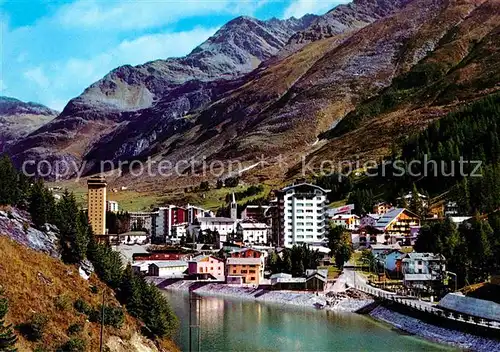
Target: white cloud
column 150, row 47
column 55, row 80
column 299, row 8
column 137, row 15
column 37, row 75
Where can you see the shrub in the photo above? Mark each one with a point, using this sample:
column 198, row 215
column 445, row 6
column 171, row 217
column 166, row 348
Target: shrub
column 41, row 349
column 81, row 306
column 113, row 316
column 34, row 329
column 73, row 345
column 75, row 328
column 94, row 289
column 62, row 302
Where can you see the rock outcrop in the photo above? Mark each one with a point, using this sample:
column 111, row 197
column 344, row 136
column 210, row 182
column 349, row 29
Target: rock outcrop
column 18, row 119
column 16, row 224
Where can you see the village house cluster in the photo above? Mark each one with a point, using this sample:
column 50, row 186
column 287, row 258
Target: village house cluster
column 233, row 248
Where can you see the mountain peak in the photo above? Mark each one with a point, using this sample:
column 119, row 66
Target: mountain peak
column 13, row 106
column 18, row 119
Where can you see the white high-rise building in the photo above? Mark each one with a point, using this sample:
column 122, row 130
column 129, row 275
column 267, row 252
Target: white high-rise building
column 301, row 215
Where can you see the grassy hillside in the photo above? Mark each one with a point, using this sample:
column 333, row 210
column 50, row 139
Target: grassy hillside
column 39, row 287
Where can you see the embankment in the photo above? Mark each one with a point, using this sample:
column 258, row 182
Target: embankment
column 348, row 301
column 435, row 333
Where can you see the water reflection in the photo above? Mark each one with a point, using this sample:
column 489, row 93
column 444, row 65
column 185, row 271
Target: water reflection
column 233, row 325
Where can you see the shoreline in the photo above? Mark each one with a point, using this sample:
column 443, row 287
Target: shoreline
column 340, row 301
column 434, row 333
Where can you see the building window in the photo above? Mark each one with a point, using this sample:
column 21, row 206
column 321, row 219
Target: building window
column 252, row 278
column 243, row 271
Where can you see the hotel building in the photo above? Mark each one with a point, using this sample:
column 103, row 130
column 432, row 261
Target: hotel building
column 300, row 215
column 97, row 204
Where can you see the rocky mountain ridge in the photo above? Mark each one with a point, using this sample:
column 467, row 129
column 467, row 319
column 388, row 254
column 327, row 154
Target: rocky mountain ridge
column 310, row 86
column 354, row 15
column 153, row 96
column 18, row 119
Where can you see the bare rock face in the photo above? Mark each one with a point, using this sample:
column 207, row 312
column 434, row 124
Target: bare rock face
column 139, row 103
column 237, row 48
column 255, row 88
column 17, row 225
column 350, row 16
column 18, row 119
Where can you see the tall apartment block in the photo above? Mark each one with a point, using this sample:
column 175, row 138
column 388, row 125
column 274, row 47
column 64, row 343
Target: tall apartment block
column 300, row 215
column 166, row 224
column 97, row 204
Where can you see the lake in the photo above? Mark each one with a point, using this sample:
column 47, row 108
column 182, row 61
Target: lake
column 234, row 325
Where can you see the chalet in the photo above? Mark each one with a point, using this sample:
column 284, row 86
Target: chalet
column 369, row 220
column 369, row 236
column 381, row 208
column 396, row 224
column 349, row 221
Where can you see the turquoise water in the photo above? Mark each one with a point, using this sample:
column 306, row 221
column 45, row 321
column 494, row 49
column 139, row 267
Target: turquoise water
column 233, row 325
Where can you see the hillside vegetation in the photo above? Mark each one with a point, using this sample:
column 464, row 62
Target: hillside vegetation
column 77, row 245
column 40, row 288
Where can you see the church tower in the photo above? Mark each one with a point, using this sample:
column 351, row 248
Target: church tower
column 234, row 208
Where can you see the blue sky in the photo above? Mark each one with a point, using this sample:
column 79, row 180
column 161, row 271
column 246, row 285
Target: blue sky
column 52, row 50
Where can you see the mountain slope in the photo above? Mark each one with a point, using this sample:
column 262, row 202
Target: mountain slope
column 360, row 91
column 38, row 285
column 464, row 66
column 357, row 69
column 18, row 119
column 181, row 85
column 355, row 15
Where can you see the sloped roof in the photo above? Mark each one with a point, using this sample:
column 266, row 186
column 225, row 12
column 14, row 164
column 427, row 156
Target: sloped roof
column 243, row 261
column 305, row 185
column 422, row 256
column 170, row 263
column 202, row 258
column 252, row 225
column 472, row 306
column 389, row 217
column 344, row 216
column 215, row 219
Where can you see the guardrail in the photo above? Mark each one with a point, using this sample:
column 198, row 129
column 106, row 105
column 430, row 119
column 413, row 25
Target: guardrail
column 425, row 307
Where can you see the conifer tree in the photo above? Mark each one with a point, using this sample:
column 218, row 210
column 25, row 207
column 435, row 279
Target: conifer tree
column 41, row 204
column 9, row 191
column 7, row 337
column 73, row 229
column 416, row 202
column 131, row 292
